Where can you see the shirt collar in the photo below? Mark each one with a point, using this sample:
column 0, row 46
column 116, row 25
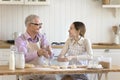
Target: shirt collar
column 80, row 41
column 28, row 37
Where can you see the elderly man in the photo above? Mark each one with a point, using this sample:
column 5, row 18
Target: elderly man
column 35, row 46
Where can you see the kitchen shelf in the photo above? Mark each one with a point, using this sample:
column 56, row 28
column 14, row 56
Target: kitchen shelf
column 25, row 2
column 111, row 6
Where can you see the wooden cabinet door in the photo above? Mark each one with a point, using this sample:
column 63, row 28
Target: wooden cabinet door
column 4, row 57
column 115, row 55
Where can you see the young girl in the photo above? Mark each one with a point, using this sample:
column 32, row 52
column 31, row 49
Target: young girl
column 77, row 49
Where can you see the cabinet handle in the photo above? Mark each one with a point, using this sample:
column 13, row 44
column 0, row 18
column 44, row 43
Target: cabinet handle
column 106, row 50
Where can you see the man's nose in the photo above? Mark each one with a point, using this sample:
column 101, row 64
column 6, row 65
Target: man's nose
column 40, row 27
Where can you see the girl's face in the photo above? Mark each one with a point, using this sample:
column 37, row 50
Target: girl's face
column 73, row 32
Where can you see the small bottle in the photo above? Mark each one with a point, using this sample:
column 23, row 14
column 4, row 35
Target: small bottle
column 12, row 61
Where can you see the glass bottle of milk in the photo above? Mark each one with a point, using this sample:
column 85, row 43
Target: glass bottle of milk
column 12, row 57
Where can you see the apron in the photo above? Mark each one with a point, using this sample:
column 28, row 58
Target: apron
column 33, row 47
column 37, row 61
column 76, row 50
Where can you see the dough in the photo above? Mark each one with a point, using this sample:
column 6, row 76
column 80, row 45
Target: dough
column 55, row 67
column 73, row 66
column 29, row 65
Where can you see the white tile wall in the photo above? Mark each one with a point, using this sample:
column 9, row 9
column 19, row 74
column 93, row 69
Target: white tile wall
column 57, row 18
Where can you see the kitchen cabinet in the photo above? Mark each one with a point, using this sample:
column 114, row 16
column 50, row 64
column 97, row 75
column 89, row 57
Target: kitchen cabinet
column 26, row 2
column 37, row 2
column 12, row 2
column 8, row 77
column 115, row 55
column 4, row 56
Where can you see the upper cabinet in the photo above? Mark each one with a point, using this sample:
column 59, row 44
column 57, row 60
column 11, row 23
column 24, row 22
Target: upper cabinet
column 111, row 3
column 26, row 2
column 37, row 2
column 11, row 1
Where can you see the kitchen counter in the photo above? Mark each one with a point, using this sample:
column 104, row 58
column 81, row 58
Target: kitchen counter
column 96, row 46
column 4, row 45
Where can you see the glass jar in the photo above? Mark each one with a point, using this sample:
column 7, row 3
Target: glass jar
column 19, row 60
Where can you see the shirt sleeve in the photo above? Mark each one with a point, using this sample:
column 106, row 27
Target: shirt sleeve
column 64, row 49
column 44, row 42
column 88, row 47
column 89, row 51
column 21, row 44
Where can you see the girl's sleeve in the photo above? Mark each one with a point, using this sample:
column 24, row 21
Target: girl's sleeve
column 89, row 51
column 64, row 49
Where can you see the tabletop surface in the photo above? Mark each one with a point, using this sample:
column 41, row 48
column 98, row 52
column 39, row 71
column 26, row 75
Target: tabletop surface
column 4, row 70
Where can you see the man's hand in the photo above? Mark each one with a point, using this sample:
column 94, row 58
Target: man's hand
column 49, row 50
column 43, row 52
column 62, row 59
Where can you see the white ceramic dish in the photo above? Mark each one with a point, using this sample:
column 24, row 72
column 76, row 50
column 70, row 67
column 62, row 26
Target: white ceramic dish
column 63, row 63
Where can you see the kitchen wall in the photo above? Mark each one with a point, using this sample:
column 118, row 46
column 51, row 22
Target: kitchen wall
column 57, row 18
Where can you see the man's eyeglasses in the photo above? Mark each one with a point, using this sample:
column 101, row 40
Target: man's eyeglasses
column 40, row 24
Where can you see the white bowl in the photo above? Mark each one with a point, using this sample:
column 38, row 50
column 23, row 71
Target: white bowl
column 63, row 63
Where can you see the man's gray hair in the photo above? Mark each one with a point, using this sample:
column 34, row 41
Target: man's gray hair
column 29, row 19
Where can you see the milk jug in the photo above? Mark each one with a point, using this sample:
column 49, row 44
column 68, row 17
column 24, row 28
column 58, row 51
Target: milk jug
column 19, row 60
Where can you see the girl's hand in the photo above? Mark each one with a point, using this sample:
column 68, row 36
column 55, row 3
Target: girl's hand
column 71, row 57
column 62, row 59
